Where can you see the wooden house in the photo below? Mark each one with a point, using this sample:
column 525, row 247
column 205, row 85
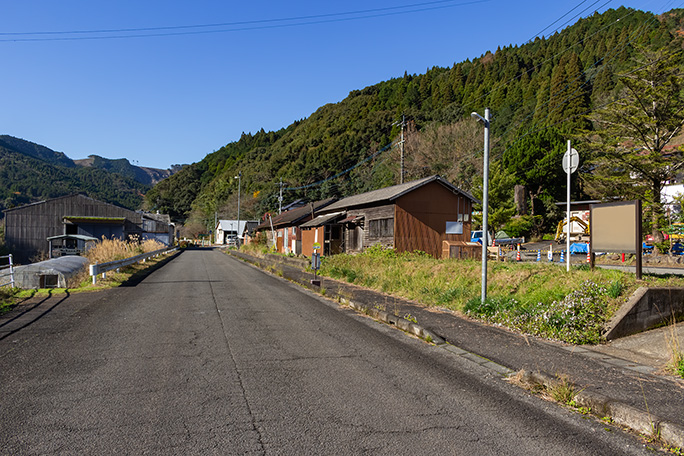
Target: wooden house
column 283, row 229
column 418, row 215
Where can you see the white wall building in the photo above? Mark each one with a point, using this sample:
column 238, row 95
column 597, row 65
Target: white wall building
column 226, row 229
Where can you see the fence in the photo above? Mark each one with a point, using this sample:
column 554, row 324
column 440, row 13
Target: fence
column 102, row 268
column 7, row 271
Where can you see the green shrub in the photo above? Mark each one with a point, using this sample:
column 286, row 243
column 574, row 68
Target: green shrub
column 578, row 318
column 379, row 251
column 524, row 225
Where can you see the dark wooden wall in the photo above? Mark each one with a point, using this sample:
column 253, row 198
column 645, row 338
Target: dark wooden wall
column 28, row 227
column 421, row 217
column 366, row 239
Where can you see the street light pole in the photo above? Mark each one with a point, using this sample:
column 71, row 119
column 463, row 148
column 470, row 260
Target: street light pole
column 237, row 240
column 485, row 199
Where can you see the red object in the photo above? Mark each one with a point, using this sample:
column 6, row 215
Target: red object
column 517, row 256
column 623, row 257
column 588, row 254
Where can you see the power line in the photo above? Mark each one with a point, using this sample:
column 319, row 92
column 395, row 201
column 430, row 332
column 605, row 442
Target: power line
column 342, row 173
column 615, row 52
column 545, row 28
column 640, row 31
column 238, row 26
column 580, row 13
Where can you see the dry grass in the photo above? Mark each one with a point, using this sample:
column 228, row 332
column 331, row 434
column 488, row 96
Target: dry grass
column 676, row 364
column 115, row 249
column 559, row 389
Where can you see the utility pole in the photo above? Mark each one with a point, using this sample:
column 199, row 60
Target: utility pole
column 401, row 147
column 280, row 198
column 485, row 199
column 237, row 240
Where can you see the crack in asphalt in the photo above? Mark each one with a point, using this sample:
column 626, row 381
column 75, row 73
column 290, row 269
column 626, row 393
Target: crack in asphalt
column 253, row 420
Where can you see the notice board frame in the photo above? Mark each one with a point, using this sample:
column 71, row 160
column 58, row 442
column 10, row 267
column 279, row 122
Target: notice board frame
column 616, row 228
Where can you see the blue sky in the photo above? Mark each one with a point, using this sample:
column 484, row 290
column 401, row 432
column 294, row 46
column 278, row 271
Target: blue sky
column 177, row 96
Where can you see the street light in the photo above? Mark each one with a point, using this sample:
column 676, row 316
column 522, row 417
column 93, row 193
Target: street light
column 237, row 236
column 485, row 199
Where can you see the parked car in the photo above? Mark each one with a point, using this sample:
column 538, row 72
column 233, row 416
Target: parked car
column 476, row 236
column 501, row 238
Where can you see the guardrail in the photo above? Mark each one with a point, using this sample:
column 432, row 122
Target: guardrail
column 102, row 268
column 10, row 273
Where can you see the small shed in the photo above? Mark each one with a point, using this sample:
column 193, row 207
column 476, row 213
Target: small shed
column 52, row 273
column 69, row 244
column 325, row 230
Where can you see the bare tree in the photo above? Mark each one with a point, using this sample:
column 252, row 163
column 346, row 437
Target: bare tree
column 453, row 151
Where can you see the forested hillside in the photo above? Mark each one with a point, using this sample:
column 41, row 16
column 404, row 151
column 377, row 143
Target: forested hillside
column 25, row 178
column 36, row 151
column 539, row 93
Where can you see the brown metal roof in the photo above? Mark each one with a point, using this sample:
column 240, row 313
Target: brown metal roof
column 323, row 220
column 389, row 194
column 295, row 217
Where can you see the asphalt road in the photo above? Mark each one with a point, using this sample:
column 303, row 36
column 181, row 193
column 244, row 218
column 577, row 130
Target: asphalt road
column 210, row 356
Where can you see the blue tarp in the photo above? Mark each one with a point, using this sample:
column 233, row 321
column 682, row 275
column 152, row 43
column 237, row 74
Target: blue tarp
column 578, row 248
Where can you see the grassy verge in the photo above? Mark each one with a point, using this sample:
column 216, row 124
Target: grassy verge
column 535, row 298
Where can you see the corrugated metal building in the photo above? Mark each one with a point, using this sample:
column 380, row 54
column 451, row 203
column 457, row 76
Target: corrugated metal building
column 27, row 228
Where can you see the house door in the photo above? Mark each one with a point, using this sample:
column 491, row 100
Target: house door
column 333, row 240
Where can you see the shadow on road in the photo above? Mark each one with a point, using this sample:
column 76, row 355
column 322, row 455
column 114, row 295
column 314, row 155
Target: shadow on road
column 30, row 318
column 139, row 276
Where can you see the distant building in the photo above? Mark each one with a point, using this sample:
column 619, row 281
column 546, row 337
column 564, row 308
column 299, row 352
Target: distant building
column 158, row 227
column 27, row 228
column 229, row 230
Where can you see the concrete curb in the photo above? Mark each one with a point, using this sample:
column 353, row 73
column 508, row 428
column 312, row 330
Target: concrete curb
column 601, row 406
column 399, row 322
column 619, row 413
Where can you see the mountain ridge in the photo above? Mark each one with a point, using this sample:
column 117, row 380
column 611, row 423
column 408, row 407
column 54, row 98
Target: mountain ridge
column 31, row 172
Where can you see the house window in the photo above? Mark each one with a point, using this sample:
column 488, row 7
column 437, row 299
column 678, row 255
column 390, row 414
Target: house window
column 381, row 228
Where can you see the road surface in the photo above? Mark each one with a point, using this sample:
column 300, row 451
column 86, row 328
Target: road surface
column 210, row 356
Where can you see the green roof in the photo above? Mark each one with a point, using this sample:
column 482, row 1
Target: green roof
column 84, row 219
